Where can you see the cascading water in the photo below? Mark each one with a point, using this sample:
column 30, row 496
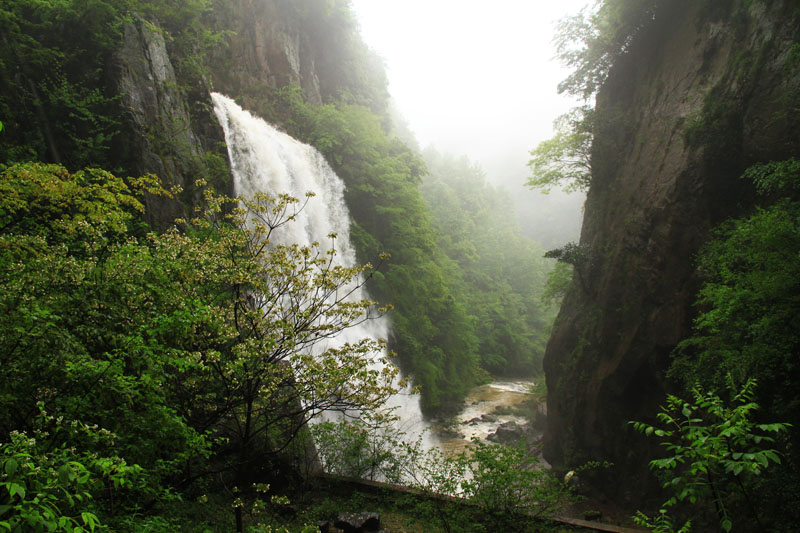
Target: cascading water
column 264, row 159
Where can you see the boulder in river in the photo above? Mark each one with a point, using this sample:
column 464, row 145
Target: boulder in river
column 507, row 433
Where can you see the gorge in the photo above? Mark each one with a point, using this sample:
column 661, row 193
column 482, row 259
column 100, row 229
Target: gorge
column 137, row 372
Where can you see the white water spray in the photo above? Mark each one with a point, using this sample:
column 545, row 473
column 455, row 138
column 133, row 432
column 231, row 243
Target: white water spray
column 266, row 160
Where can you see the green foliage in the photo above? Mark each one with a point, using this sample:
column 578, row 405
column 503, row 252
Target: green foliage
column 369, row 447
column 77, row 316
column 504, row 483
column 579, row 256
column 712, row 450
column 748, row 301
column 431, row 327
column 775, row 176
column 498, row 272
column 591, row 41
column 199, row 350
column 558, row 283
column 565, row 160
column 45, row 486
column 746, row 326
column 661, row 523
column 508, row 479
column 57, row 106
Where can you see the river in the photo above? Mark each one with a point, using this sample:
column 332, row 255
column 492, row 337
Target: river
column 486, row 407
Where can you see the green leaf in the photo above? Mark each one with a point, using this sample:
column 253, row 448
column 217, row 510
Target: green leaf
column 65, row 475
column 11, row 467
column 16, row 488
column 89, row 519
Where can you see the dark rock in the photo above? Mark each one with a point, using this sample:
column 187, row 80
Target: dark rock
column 656, row 194
column 324, row 526
column 507, row 433
column 539, row 421
column 358, row 522
column 489, row 418
column 159, row 138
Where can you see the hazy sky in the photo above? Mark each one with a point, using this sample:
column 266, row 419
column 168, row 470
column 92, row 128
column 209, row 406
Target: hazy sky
column 473, row 77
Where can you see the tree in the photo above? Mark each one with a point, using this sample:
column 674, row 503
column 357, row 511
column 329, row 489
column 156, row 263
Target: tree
column 590, row 43
column 565, row 160
column 749, row 299
column 272, row 366
column 496, row 271
column 594, row 39
column 580, row 256
column 201, row 349
column 746, row 325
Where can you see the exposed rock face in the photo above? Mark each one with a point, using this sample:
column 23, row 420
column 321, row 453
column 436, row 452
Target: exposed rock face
column 269, row 48
column 159, row 137
column 706, row 92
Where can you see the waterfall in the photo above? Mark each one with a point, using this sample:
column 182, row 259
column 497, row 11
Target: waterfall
column 266, row 160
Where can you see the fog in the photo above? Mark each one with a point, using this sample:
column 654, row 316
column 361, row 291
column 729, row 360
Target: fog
column 478, row 78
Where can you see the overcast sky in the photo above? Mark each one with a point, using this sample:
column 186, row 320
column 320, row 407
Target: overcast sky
column 473, row 77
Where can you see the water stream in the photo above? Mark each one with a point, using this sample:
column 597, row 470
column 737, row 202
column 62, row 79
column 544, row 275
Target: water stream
column 264, row 159
column 485, row 408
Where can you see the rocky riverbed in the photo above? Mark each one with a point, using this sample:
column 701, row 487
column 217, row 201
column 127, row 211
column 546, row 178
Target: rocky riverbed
column 494, row 412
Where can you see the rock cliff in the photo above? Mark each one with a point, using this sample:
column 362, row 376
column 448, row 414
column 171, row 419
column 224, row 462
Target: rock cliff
column 168, row 128
column 158, row 136
column 708, row 89
column 268, row 48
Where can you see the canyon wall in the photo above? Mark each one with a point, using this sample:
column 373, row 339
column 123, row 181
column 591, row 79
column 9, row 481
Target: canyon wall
column 705, row 91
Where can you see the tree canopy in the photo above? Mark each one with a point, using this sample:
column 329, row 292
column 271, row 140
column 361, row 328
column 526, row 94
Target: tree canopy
column 199, row 350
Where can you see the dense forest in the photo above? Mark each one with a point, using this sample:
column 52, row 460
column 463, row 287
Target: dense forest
column 61, row 85
column 137, row 365
column 155, row 351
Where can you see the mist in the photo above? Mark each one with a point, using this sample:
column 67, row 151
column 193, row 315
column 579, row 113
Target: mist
column 479, row 79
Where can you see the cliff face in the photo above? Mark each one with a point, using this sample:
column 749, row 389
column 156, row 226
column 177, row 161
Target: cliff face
column 268, row 48
column 168, row 128
column 159, row 138
column 709, row 89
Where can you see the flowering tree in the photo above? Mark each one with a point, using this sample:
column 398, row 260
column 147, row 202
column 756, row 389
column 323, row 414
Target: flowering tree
column 202, row 349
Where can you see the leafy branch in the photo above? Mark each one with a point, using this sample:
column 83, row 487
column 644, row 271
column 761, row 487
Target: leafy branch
column 713, row 450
